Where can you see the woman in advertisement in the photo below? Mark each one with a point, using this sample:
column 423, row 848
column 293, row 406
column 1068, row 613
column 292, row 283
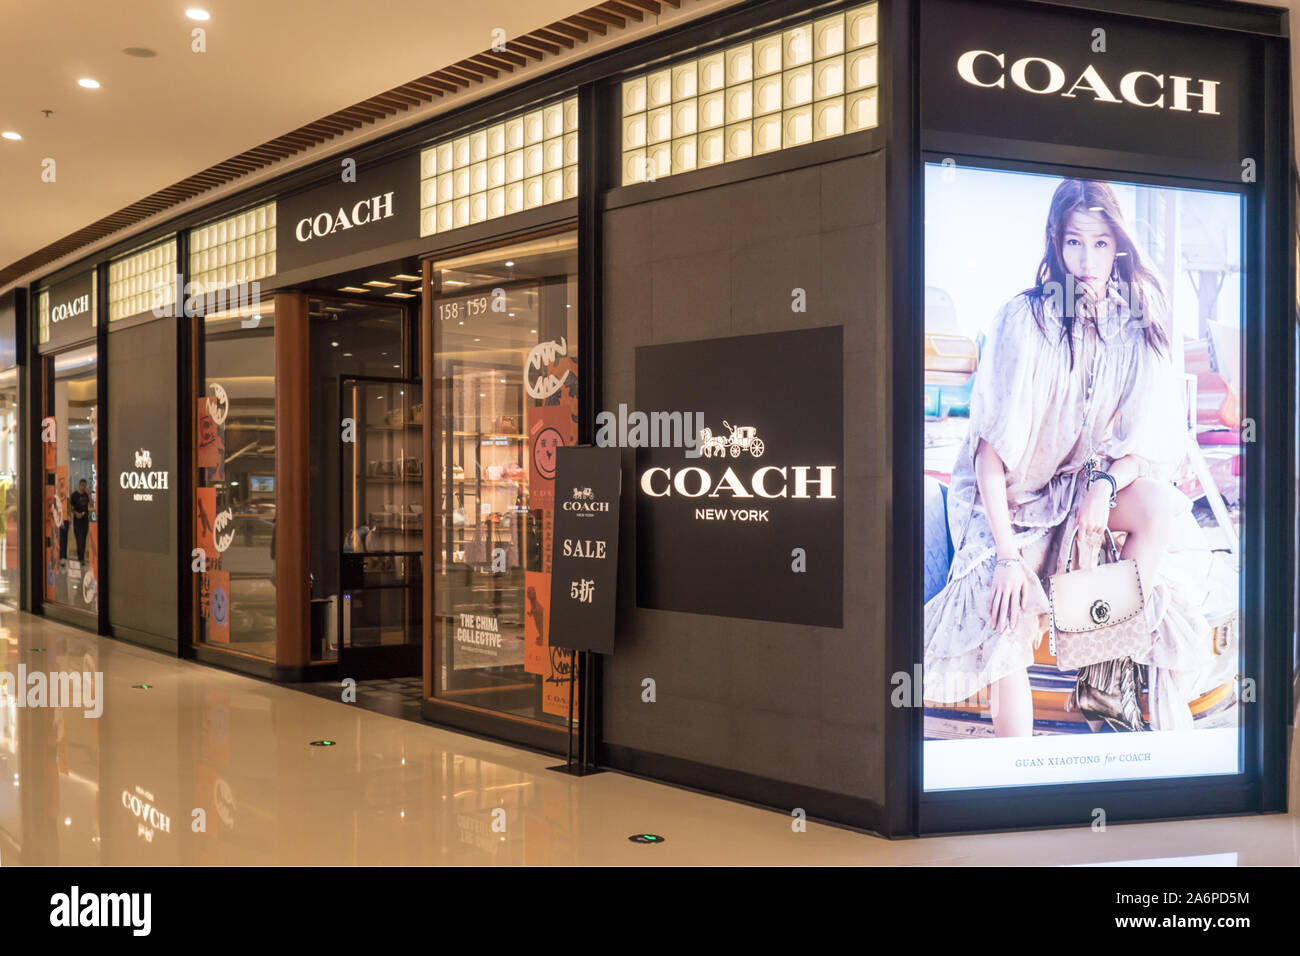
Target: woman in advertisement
column 1077, row 421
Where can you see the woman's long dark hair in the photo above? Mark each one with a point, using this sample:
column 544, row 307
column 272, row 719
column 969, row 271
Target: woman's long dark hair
column 1145, row 297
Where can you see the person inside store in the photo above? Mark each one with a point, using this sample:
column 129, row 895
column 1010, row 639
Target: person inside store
column 80, row 502
column 1077, row 421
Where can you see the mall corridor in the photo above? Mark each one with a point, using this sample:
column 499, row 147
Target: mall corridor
column 175, row 737
column 670, row 433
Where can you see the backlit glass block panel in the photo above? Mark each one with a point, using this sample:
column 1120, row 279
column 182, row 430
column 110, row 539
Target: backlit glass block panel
column 506, row 167
column 239, row 248
column 808, row 82
column 142, row 281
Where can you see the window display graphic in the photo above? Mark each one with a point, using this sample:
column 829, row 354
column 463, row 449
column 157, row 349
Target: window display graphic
column 1083, row 421
column 507, row 398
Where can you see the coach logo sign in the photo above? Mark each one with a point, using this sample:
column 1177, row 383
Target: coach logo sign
column 1044, row 77
column 799, row 482
column 67, row 309
column 345, row 218
column 68, row 314
column 716, row 531
column 144, row 480
column 363, row 212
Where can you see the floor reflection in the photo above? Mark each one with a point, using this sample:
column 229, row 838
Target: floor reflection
column 206, row 767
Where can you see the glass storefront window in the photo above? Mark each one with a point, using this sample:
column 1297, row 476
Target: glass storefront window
column 505, row 336
column 10, row 510
column 70, row 506
column 234, row 507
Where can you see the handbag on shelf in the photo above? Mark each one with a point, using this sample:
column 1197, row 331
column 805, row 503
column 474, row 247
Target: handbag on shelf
column 1098, row 614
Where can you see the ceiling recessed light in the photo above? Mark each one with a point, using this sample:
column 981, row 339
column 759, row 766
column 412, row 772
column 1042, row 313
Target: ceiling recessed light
column 88, row 83
column 476, row 340
column 197, row 13
column 143, row 52
column 352, row 288
column 10, row 134
column 405, row 277
column 510, row 263
column 512, row 315
column 334, row 344
column 380, row 284
column 534, row 331
column 399, row 295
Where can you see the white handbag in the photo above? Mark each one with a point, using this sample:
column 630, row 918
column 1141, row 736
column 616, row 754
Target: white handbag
column 1099, row 614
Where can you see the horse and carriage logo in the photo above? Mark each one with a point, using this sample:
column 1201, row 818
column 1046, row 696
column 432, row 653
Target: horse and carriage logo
column 583, row 494
column 742, row 438
column 143, row 459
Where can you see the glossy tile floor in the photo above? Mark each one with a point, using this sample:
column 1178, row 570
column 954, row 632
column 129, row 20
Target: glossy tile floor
column 124, row 788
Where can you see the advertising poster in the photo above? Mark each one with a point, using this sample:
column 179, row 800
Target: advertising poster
column 210, row 451
column 555, row 681
column 90, row 568
column 214, row 605
column 52, row 521
column 205, row 516
column 550, row 427
column 1083, row 378
column 537, row 594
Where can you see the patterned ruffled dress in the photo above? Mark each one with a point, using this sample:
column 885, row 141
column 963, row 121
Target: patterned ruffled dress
column 1029, row 405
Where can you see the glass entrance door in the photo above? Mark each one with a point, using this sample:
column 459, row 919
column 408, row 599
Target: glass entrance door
column 380, row 562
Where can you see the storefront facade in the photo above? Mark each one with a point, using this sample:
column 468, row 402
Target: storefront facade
column 335, row 427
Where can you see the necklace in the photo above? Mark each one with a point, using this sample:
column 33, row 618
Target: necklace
column 1090, row 463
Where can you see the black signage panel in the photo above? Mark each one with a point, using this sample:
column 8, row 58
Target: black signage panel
column 343, row 218
column 141, row 479
column 71, row 311
column 1044, row 75
column 584, row 555
column 753, row 525
column 142, row 453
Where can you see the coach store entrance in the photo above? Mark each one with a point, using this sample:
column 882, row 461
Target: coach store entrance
column 67, row 321
column 364, row 477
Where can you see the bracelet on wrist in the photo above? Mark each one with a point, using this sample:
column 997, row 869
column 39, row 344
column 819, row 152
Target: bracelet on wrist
column 1096, row 476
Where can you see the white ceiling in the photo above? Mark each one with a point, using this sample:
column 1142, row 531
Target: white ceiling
column 270, row 66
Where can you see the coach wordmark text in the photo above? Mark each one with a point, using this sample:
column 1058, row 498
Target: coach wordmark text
column 1143, row 88
column 66, row 310
column 363, row 212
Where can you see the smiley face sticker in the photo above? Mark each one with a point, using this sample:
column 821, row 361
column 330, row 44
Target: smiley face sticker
column 548, row 441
